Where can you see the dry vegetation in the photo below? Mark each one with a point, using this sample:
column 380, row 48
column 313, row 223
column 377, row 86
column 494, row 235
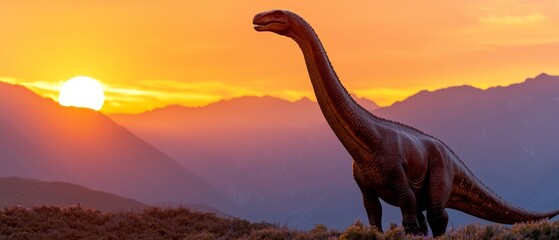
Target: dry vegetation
column 181, row 223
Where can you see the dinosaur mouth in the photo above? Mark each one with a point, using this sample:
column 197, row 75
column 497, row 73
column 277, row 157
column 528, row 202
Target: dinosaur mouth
column 259, row 27
column 267, row 26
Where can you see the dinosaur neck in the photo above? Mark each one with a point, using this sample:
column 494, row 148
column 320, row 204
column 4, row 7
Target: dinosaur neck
column 342, row 113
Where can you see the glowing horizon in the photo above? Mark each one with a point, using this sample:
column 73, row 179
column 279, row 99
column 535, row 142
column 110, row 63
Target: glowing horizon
column 151, row 55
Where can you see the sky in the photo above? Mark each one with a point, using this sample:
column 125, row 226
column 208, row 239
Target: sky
column 151, row 54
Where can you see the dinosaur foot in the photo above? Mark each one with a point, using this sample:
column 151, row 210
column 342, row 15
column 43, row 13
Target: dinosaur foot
column 412, row 228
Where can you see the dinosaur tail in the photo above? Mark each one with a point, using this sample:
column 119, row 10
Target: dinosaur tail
column 472, row 197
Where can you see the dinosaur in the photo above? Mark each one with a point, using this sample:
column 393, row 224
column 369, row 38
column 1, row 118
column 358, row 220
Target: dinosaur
column 397, row 163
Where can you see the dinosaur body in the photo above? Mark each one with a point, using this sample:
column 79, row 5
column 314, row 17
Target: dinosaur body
column 391, row 161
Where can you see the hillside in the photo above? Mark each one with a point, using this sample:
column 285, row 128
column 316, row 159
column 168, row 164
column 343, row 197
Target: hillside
column 181, row 223
column 15, row 191
column 43, row 140
column 280, row 162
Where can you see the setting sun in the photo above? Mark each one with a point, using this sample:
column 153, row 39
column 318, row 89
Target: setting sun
column 83, row 92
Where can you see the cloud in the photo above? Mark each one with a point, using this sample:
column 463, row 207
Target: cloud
column 149, row 94
column 514, row 20
column 43, row 88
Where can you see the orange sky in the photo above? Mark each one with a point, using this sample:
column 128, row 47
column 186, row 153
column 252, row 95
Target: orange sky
column 156, row 53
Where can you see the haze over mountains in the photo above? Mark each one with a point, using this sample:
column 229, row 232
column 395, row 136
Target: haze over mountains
column 279, row 161
column 276, row 160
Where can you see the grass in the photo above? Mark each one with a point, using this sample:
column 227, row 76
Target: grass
column 181, row 223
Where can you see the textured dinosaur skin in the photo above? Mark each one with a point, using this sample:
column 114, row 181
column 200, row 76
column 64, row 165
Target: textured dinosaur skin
column 391, row 161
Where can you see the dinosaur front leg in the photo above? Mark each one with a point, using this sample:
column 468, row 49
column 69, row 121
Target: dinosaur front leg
column 405, row 198
column 374, row 210
column 370, row 199
column 407, row 203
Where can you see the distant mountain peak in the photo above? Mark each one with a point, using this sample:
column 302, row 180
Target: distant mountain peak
column 543, row 80
column 365, row 102
column 542, row 75
column 443, row 93
column 458, row 89
column 304, row 100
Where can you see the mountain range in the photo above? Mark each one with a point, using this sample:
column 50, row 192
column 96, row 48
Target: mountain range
column 264, row 158
column 42, row 140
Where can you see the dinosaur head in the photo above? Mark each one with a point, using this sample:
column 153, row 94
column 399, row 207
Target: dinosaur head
column 273, row 21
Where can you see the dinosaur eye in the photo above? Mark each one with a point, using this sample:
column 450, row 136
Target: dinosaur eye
column 276, row 14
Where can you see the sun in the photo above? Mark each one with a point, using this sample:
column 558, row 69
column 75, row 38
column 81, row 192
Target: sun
column 81, row 91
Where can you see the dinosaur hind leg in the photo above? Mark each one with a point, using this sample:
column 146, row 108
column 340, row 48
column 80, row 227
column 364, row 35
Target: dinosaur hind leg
column 440, row 187
column 438, row 220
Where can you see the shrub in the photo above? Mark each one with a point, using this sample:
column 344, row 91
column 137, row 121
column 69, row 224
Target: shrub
column 180, row 223
column 358, row 231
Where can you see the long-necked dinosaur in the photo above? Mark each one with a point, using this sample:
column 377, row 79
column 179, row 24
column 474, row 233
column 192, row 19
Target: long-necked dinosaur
column 392, row 161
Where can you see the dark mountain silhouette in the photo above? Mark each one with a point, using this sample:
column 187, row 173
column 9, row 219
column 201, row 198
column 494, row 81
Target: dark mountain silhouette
column 281, row 162
column 42, row 140
column 24, row 192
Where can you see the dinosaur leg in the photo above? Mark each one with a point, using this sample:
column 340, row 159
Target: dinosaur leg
column 439, row 193
column 370, row 200
column 422, row 223
column 438, row 220
column 406, row 201
column 407, row 204
column 374, row 210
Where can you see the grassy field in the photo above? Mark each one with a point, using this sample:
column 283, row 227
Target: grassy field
column 180, row 223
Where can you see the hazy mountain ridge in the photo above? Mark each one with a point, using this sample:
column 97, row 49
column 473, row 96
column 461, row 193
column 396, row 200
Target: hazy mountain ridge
column 24, row 192
column 81, row 146
column 282, row 162
column 265, row 153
